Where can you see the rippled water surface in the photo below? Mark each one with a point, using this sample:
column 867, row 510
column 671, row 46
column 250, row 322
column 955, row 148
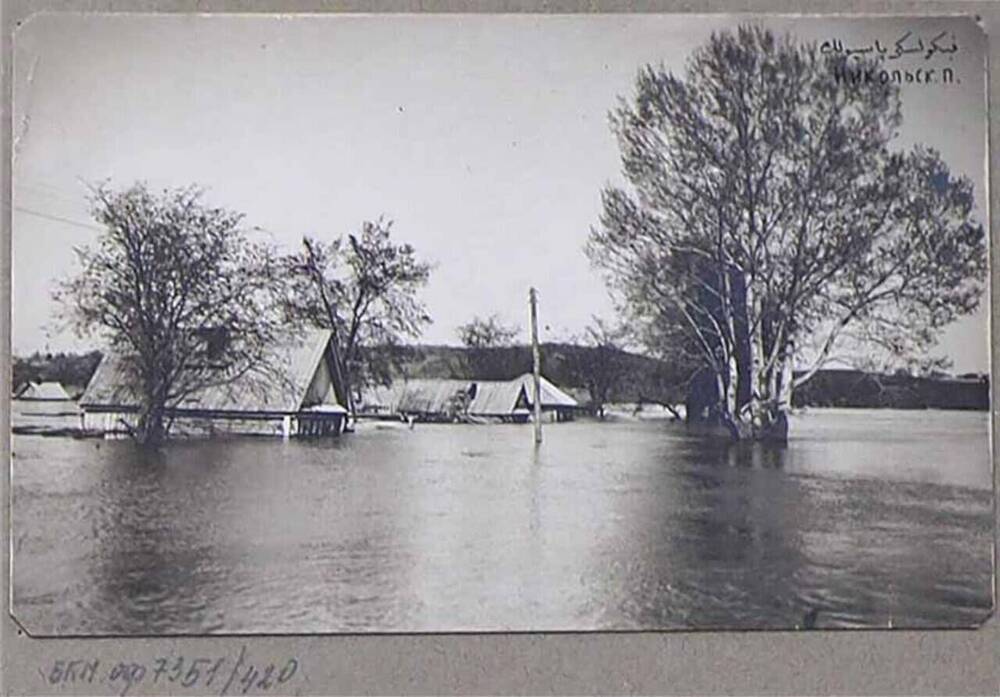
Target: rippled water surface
column 866, row 518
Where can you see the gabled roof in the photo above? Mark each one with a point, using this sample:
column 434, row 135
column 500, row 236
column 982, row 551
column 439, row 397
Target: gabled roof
column 417, row 396
column 491, row 397
column 500, row 397
column 552, row 396
column 495, row 397
column 282, row 386
column 43, row 390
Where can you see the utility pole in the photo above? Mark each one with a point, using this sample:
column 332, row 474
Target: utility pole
column 536, row 357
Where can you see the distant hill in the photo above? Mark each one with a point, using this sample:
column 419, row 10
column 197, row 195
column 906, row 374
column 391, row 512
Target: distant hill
column 855, row 388
column 643, row 379
column 651, row 380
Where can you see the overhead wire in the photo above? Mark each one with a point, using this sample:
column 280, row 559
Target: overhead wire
column 56, row 218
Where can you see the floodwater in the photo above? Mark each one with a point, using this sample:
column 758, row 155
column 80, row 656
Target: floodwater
column 866, row 518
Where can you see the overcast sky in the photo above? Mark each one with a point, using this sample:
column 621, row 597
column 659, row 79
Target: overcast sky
column 485, row 138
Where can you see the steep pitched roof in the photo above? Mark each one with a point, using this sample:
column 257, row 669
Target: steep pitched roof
column 500, row 397
column 552, row 396
column 417, row 396
column 491, row 397
column 495, row 397
column 284, row 386
column 43, row 390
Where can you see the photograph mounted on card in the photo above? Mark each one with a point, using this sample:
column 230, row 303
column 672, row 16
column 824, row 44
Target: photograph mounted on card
column 490, row 323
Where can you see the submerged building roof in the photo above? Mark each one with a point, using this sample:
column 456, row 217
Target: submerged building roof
column 295, row 376
column 503, row 397
column 417, row 396
column 43, row 391
column 495, row 397
column 552, row 396
column 475, row 397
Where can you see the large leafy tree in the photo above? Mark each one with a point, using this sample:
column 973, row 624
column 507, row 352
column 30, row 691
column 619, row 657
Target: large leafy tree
column 364, row 287
column 179, row 293
column 767, row 214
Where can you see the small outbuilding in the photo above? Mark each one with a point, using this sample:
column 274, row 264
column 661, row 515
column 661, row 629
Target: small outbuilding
column 449, row 400
column 293, row 395
column 43, row 392
column 430, row 400
column 514, row 400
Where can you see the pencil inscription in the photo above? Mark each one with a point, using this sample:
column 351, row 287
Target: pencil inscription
column 229, row 674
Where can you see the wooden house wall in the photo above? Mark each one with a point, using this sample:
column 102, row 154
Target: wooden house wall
column 119, row 423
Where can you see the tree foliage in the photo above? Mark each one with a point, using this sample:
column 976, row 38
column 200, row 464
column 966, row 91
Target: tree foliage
column 603, row 365
column 177, row 290
column 487, row 332
column 72, row 370
column 364, row 287
column 486, row 338
column 767, row 212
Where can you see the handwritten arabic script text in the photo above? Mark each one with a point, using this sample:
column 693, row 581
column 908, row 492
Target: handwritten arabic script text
column 943, row 43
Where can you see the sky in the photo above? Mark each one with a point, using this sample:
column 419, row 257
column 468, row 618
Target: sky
column 484, row 138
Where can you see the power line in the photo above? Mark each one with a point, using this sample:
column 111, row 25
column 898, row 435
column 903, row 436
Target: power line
column 50, row 190
column 57, row 218
column 77, row 223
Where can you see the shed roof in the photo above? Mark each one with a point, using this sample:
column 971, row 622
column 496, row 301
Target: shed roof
column 491, row 397
column 500, row 397
column 552, row 396
column 43, row 390
column 495, row 397
column 279, row 386
column 417, row 396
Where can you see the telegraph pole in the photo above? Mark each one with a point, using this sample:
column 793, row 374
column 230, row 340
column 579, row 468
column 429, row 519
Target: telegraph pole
column 537, row 361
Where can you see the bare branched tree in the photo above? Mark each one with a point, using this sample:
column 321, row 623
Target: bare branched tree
column 602, row 365
column 364, row 288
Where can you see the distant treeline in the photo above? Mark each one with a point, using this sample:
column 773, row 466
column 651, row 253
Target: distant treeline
column 73, row 370
column 855, row 388
column 637, row 378
column 650, row 380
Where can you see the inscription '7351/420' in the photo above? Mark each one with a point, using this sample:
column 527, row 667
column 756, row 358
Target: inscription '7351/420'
column 229, row 675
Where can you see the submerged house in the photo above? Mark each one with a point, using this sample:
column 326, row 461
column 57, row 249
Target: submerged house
column 514, row 399
column 439, row 400
column 295, row 396
column 43, row 392
column 448, row 400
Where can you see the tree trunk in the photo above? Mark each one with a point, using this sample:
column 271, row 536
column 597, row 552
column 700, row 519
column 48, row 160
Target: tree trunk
column 768, row 411
column 744, row 344
column 152, row 428
column 754, row 395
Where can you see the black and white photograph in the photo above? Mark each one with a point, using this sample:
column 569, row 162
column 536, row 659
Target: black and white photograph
column 431, row 323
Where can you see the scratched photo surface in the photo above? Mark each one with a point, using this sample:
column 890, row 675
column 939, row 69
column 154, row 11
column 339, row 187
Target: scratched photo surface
column 497, row 323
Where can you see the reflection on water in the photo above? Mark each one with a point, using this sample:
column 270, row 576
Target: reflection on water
column 864, row 519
